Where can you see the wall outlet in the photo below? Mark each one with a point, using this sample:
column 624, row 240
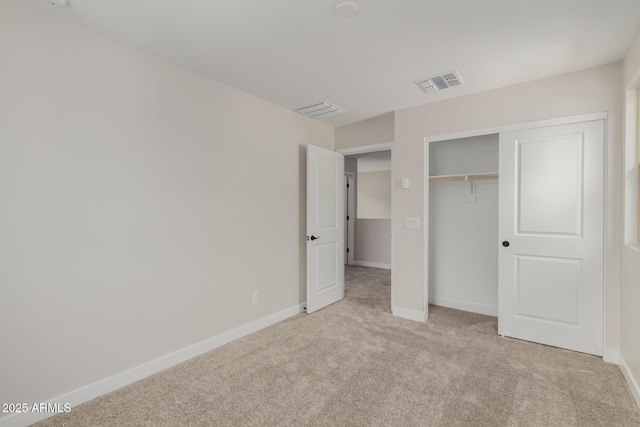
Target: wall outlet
column 256, row 297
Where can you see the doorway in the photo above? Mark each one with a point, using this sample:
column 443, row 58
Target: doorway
column 368, row 196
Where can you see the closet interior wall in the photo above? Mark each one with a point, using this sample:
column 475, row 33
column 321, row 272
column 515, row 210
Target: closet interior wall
column 463, row 224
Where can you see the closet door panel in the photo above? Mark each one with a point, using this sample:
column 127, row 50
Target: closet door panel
column 551, row 235
column 550, row 185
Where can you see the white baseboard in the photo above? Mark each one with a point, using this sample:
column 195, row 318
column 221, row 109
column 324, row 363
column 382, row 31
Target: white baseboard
column 631, row 380
column 372, row 264
column 409, row 314
column 107, row 385
column 611, row 356
column 465, row 306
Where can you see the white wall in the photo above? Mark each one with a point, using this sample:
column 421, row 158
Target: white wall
column 374, row 195
column 135, row 197
column 373, row 223
column 631, row 63
column 375, row 162
column 379, row 130
column 478, row 154
column 373, row 226
column 463, row 226
column 630, row 289
column 373, row 243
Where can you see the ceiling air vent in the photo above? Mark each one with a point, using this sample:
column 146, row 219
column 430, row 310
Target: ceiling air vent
column 324, row 109
column 440, row 82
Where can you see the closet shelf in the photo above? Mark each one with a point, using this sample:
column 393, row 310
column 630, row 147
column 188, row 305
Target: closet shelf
column 464, row 177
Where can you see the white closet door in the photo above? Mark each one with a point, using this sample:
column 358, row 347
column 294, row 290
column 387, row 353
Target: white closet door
column 551, row 235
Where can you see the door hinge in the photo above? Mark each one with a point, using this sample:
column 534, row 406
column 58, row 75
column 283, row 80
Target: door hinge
column 347, row 250
column 347, row 185
column 347, row 217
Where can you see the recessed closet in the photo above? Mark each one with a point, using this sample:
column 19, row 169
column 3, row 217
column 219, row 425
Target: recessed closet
column 516, row 229
column 463, row 224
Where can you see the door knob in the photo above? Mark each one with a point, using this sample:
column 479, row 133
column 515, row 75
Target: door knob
column 314, row 238
column 505, row 244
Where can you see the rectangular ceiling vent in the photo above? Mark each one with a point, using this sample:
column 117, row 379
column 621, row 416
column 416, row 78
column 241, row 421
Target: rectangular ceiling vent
column 324, row 109
column 440, row 82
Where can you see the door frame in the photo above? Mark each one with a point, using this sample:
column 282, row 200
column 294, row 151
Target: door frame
column 608, row 355
column 350, row 224
column 373, row 148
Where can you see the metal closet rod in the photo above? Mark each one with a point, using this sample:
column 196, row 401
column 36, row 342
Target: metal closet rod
column 463, row 177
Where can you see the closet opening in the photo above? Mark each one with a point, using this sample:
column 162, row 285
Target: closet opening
column 529, row 246
column 463, row 223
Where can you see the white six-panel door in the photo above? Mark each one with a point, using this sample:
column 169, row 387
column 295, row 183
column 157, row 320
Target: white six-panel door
column 551, row 235
column 325, row 227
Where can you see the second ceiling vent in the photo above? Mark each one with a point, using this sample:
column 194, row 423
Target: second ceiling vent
column 440, row 82
column 324, row 109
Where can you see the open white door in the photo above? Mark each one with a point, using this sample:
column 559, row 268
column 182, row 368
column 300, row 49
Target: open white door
column 349, row 226
column 551, row 235
column 325, row 227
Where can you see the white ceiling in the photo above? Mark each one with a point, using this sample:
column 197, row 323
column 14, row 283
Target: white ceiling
column 299, row 52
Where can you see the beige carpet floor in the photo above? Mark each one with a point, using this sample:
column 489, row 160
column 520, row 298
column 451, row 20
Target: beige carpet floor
column 354, row 364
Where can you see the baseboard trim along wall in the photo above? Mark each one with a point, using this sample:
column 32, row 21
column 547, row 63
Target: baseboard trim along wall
column 372, row 264
column 107, row 385
column 409, row 314
column 611, row 356
column 633, row 383
column 465, row 306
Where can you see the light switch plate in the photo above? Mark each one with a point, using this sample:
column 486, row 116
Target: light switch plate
column 411, row 222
